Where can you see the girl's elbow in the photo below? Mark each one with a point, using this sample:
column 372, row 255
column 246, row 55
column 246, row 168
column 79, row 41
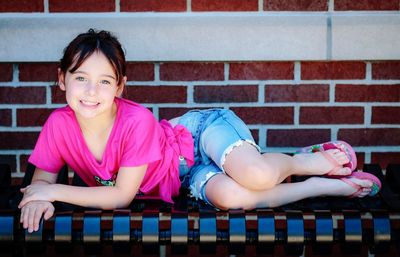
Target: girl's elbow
column 117, row 199
column 123, row 202
column 115, row 205
column 121, row 205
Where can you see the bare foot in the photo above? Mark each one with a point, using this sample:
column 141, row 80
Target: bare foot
column 337, row 187
column 319, row 164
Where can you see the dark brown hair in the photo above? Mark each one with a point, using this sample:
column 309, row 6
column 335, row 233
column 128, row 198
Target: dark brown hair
column 85, row 44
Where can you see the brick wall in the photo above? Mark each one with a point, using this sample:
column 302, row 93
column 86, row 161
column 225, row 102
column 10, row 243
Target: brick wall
column 287, row 104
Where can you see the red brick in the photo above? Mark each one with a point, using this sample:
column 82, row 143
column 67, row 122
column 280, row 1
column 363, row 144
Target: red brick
column 169, row 113
column 360, row 160
column 140, row 71
column 16, row 181
column 22, row 6
column 23, row 162
column 366, row 5
column 296, row 137
column 297, row 93
column 153, row 6
column 18, row 140
column 295, row 5
column 10, row 160
column 82, row 6
column 5, row 115
column 385, row 115
column 370, row 137
column 385, row 158
column 32, row 117
column 6, row 72
column 386, row 70
column 226, row 94
column 38, row 72
column 367, row 93
column 265, row 115
column 57, row 95
column 255, row 133
column 157, row 94
column 224, row 5
column 333, row 70
column 331, row 115
column 22, row 95
column 191, row 71
column 261, row 70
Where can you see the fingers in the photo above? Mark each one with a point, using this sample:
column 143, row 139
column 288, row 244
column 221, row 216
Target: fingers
column 31, row 214
column 49, row 212
column 23, row 202
column 24, row 217
column 26, row 199
column 31, row 220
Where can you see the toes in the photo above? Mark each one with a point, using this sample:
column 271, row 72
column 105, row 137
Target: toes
column 364, row 192
column 344, row 171
column 365, row 183
column 366, row 186
column 341, row 157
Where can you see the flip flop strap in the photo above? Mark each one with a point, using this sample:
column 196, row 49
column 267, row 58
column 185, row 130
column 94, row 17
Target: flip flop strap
column 353, row 185
column 333, row 162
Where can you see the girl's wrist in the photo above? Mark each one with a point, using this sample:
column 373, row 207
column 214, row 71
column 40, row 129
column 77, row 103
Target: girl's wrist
column 53, row 192
column 40, row 181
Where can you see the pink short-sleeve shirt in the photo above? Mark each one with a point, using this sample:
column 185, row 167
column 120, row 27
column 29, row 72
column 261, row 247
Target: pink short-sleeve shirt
column 136, row 139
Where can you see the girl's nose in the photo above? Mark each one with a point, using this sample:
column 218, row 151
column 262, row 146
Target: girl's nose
column 91, row 88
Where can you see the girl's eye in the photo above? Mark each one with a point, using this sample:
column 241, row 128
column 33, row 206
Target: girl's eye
column 80, row 78
column 105, row 82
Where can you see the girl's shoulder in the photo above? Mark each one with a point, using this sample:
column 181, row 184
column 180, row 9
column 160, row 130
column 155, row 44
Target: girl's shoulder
column 63, row 114
column 130, row 110
column 61, row 122
column 135, row 118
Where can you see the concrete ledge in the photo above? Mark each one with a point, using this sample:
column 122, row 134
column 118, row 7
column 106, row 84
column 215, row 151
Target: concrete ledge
column 366, row 37
column 174, row 37
column 209, row 36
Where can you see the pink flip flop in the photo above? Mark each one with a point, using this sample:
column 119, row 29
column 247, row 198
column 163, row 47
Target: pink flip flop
column 376, row 183
column 340, row 145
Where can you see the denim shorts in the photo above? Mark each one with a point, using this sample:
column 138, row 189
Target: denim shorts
column 216, row 132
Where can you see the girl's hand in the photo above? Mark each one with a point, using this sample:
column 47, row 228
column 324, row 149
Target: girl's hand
column 36, row 192
column 32, row 212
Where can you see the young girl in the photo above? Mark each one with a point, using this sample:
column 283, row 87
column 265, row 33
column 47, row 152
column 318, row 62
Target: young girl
column 117, row 143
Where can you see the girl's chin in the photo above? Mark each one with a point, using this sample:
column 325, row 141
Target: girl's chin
column 87, row 114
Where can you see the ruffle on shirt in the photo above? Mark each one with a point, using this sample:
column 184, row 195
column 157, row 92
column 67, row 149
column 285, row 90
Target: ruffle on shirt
column 180, row 139
column 178, row 142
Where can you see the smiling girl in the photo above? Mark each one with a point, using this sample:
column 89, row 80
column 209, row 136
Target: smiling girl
column 118, row 149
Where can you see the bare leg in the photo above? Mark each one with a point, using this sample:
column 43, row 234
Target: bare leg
column 225, row 193
column 255, row 171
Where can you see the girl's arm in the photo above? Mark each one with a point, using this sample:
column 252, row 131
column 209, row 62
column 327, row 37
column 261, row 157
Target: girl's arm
column 32, row 212
column 103, row 197
column 43, row 177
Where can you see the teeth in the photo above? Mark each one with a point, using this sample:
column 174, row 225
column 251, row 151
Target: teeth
column 89, row 103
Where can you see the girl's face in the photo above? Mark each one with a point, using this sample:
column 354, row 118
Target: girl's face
column 91, row 89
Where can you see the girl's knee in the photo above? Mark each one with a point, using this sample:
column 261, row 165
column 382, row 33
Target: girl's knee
column 229, row 203
column 261, row 176
column 228, row 198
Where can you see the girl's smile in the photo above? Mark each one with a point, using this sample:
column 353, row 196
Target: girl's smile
column 91, row 89
column 89, row 104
